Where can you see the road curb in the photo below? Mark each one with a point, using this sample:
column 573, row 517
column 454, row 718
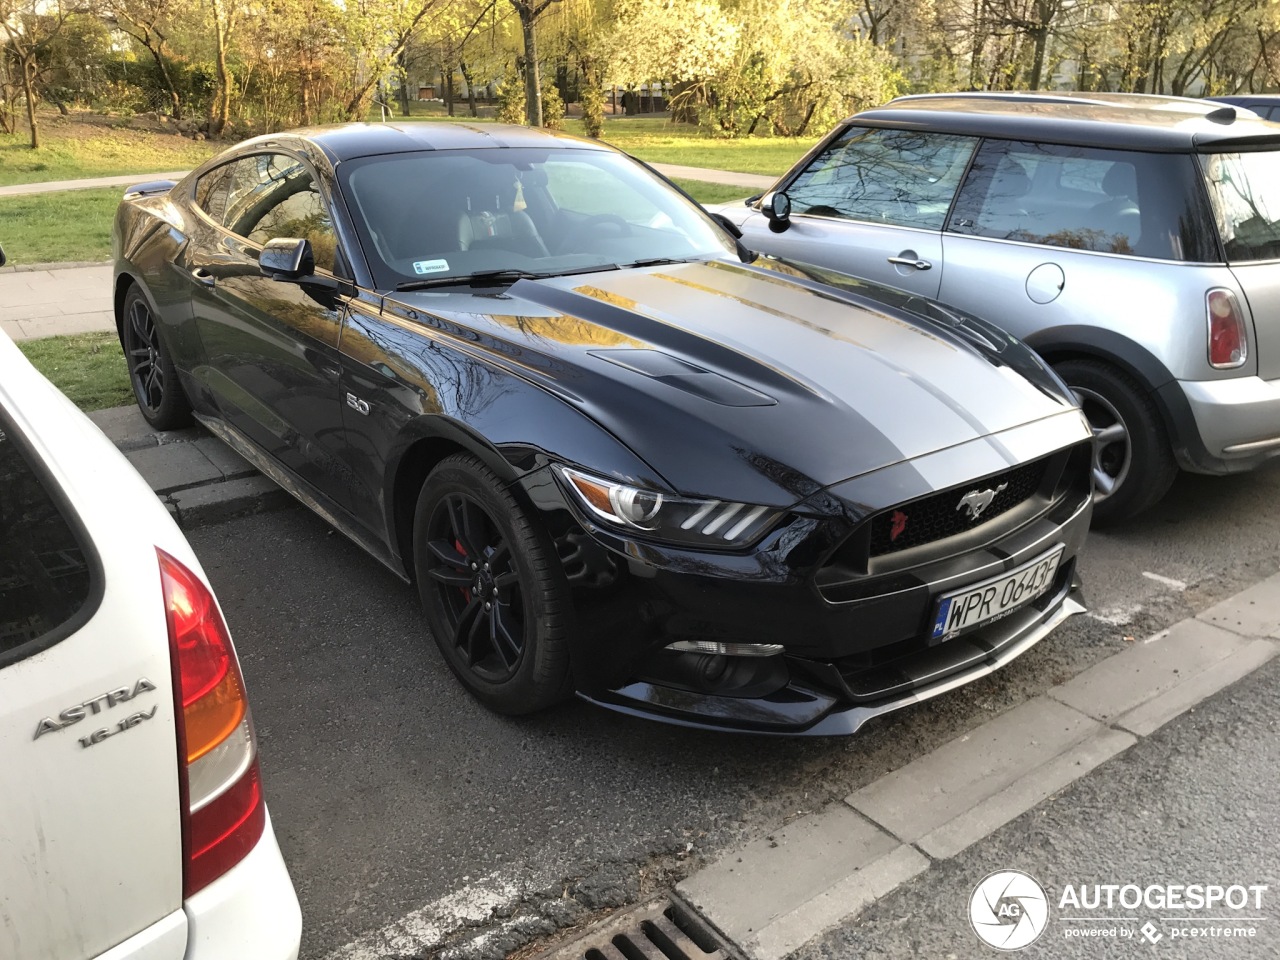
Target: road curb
column 56, row 265
column 772, row 896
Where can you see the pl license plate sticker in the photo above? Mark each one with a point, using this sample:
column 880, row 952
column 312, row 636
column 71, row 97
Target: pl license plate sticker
column 983, row 602
column 430, row 266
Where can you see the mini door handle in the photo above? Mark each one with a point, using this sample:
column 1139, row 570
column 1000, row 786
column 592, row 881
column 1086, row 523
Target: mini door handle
column 908, row 262
column 201, row 275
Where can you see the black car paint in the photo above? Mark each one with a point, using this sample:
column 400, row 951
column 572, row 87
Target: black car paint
column 436, row 372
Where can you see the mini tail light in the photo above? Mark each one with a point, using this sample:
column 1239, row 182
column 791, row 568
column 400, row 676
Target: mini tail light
column 223, row 810
column 1228, row 344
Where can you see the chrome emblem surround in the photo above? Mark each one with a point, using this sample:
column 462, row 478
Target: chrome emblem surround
column 977, row 501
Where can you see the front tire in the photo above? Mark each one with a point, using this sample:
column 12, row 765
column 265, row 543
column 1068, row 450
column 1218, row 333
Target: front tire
column 1133, row 464
column 495, row 599
column 151, row 371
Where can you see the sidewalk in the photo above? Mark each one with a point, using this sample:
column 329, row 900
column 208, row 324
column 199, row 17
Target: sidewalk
column 197, row 476
column 49, row 300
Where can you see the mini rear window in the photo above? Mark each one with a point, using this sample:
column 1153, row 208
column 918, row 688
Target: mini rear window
column 47, row 586
column 1245, row 191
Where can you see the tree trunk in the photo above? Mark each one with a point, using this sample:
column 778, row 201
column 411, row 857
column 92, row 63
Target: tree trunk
column 175, row 101
column 404, row 83
column 29, row 68
column 1040, row 37
column 471, row 88
column 532, row 87
column 220, row 109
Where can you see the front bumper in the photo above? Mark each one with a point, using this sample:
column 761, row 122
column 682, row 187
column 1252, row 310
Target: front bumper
column 855, row 626
column 1236, row 420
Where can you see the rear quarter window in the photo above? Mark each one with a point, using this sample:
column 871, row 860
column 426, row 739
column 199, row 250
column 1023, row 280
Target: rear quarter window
column 1245, row 191
column 1084, row 198
column 48, row 581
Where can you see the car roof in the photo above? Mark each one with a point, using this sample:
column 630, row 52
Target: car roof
column 1118, row 120
column 351, row 140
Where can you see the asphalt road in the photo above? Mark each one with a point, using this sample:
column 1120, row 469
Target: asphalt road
column 390, row 788
column 1195, row 803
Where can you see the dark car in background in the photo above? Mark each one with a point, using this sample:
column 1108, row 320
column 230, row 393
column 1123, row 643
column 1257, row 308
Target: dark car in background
column 617, row 453
column 1133, row 241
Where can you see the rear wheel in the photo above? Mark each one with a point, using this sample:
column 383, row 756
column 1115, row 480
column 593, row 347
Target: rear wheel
column 151, row 371
column 490, row 584
column 1133, row 464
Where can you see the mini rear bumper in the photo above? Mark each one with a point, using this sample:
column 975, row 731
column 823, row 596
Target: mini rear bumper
column 1237, row 421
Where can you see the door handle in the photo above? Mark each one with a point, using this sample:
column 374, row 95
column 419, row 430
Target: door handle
column 909, row 262
column 203, row 276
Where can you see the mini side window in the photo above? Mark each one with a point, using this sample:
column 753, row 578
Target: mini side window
column 902, row 177
column 1083, row 198
column 46, row 579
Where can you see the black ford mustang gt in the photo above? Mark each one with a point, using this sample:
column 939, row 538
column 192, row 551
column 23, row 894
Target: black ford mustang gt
column 617, row 454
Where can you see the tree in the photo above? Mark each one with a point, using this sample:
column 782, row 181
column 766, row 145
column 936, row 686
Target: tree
column 30, row 27
column 148, row 23
column 529, row 11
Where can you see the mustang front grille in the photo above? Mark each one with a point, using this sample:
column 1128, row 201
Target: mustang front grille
column 953, row 511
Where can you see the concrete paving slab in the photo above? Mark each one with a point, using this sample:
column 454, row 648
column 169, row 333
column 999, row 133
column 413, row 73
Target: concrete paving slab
column 97, row 322
column 843, row 899
column 1150, row 716
column 1024, row 793
column 1121, row 683
column 768, row 878
column 177, row 466
column 215, row 502
column 12, row 329
column 1253, row 613
column 230, row 463
column 935, row 789
column 128, row 429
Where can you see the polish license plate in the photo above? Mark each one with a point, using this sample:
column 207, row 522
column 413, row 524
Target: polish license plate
column 991, row 599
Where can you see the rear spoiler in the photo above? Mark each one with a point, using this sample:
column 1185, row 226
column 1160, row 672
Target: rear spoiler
column 149, row 189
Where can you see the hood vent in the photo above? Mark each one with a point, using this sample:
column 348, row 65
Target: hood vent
column 686, row 376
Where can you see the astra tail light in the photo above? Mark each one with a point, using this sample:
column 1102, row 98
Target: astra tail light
column 1228, row 345
column 223, row 810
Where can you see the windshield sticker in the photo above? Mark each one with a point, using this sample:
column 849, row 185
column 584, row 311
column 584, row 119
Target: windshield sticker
column 430, row 266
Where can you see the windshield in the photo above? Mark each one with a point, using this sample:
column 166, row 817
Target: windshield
column 1245, row 190
column 440, row 214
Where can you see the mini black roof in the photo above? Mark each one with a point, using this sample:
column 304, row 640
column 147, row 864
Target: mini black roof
column 1117, row 120
column 353, row 140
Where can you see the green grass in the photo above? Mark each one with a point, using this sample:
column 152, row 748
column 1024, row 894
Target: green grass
column 56, row 227
column 88, row 367
column 73, row 150
column 705, row 192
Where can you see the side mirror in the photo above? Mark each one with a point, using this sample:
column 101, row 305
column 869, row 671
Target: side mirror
column 287, row 259
column 777, row 209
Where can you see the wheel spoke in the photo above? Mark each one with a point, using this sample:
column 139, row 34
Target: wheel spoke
column 446, row 552
column 141, row 318
column 505, row 643
column 1104, row 482
column 462, row 515
column 464, row 633
column 505, row 581
column 1112, row 434
column 450, row 578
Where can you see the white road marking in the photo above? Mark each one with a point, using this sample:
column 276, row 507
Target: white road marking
column 1169, row 582
column 429, row 926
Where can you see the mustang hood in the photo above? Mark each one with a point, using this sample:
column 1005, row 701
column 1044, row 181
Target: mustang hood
column 756, row 383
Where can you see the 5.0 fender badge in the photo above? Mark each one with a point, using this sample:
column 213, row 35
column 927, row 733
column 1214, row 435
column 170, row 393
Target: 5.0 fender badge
column 78, row 711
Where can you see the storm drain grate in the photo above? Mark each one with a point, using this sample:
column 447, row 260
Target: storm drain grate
column 663, row 929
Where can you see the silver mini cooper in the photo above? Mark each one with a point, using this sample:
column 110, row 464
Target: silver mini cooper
column 1134, row 241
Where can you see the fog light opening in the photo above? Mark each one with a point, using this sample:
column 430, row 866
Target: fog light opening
column 717, row 649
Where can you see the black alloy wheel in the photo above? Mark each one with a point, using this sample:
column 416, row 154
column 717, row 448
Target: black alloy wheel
column 1133, row 464
column 151, row 371
column 492, row 590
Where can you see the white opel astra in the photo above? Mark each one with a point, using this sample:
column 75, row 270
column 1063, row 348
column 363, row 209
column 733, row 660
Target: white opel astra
column 132, row 820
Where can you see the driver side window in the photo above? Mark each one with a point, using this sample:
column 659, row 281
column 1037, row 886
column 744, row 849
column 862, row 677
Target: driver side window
column 901, row 177
column 273, row 195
